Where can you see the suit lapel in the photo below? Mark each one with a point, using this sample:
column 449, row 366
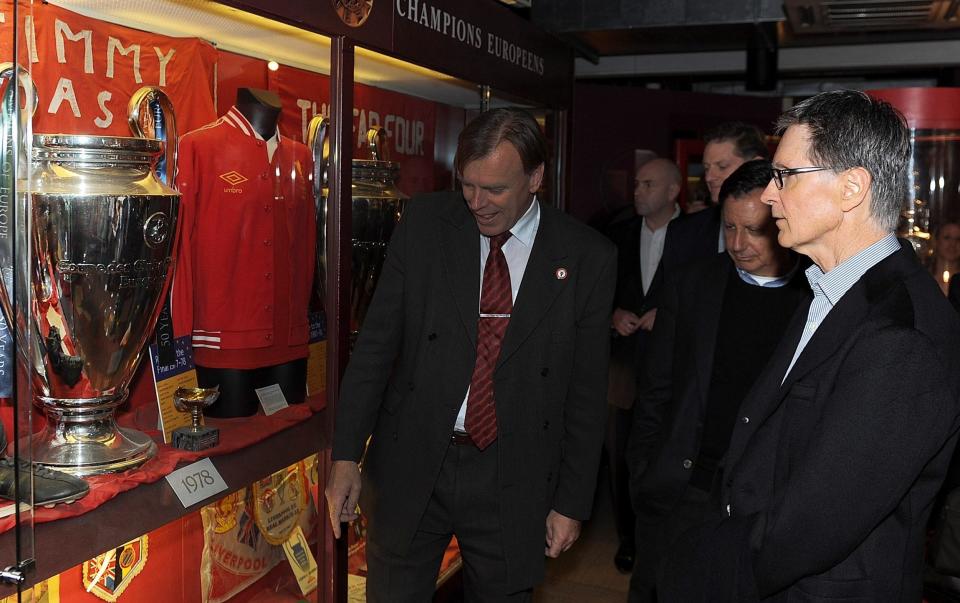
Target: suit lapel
column 840, row 323
column 460, row 246
column 709, row 307
column 540, row 285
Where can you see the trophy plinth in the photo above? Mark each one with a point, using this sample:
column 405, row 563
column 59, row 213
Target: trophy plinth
column 195, row 399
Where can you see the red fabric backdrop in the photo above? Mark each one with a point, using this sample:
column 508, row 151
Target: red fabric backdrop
column 85, row 71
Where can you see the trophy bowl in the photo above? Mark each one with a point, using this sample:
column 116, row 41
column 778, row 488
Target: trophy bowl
column 89, row 263
column 195, row 399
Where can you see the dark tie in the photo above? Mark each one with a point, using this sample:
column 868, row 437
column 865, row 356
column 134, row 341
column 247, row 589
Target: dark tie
column 496, row 303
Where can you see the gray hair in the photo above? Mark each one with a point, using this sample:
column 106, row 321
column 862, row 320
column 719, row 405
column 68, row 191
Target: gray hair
column 850, row 129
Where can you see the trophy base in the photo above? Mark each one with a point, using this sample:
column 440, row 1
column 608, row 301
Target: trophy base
column 85, row 456
column 201, row 438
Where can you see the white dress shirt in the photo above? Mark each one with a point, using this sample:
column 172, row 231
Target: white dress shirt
column 651, row 249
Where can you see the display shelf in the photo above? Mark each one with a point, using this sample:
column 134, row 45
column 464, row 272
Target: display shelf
column 66, row 543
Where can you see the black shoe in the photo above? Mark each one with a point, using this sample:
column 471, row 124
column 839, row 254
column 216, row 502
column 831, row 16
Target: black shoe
column 49, row 487
column 624, row 558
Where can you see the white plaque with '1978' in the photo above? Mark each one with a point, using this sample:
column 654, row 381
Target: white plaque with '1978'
column 196, row 481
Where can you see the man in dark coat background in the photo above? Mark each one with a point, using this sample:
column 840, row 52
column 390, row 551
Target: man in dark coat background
column 718, row 321
column 640, row 242
column 484, row 425
column 840, row 448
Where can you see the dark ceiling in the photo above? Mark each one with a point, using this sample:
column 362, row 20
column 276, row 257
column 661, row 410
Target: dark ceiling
column 598, row 29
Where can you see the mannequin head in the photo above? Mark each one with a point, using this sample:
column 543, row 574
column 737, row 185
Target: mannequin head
column 261, row 108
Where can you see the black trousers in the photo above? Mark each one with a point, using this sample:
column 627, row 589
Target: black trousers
column 656, row 533
column 619, row 424
column 465, row 503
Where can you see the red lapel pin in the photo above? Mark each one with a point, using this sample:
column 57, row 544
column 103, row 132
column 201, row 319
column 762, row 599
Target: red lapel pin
column 561, row 273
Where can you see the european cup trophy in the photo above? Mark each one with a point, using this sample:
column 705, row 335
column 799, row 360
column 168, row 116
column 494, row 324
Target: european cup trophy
column 90, row 257
column 195, row 399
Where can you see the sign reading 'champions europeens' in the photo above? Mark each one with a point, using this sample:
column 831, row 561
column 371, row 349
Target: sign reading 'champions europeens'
column 440, row 20
column 479, row 41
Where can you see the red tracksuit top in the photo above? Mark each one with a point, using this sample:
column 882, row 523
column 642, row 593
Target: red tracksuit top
column 244, row 271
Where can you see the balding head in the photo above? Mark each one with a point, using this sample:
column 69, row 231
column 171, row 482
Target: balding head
column 656, row 189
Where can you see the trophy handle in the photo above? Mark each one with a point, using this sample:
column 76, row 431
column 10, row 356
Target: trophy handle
column 159, row 118
column 317, row 141
column 14, row 146
column 6, row 73
column 377, row 141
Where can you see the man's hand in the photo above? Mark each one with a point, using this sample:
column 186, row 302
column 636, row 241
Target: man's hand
column 343, row 492
column 625, row 322
column 646, row 321
column 562, row 532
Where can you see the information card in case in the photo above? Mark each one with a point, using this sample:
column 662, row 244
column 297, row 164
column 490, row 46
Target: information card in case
column 317, row 360
column 167, row 379
column 195, row 482
column 301, row 561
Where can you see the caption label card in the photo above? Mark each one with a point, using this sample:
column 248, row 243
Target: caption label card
column 301, row 561
column 271, row 398
column 196, row 482
column 167, row 378
column 317, row 360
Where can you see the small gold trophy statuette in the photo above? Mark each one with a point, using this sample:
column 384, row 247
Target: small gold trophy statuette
column 195, row 399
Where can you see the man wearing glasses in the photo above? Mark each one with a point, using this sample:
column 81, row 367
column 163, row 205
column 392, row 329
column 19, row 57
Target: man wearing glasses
column 839, row 451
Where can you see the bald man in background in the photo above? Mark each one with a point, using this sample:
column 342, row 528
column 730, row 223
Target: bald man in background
column 640, row 242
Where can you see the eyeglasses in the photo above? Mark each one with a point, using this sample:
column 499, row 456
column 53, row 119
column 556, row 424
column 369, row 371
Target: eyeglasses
column 779, row 174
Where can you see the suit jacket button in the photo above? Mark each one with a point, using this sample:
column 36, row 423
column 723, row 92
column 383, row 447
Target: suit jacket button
column 410, row 386
column 546, row 425
column 549, row 477
column 544, row 372
column 431, row 336
column 744, row 420
column 687, row 463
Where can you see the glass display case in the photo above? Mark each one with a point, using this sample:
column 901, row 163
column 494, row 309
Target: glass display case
column 94, row 217
column 931, row 212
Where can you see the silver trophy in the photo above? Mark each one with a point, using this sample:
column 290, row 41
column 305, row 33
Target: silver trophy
column 197, row 436
column 91, row 259
column 376, row 206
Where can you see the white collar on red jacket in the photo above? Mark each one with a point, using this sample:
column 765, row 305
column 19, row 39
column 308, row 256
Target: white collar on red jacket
column 236, row 119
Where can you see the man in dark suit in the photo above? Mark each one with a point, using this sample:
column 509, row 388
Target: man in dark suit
column 728, row 145
column 485, row 425
column 640, row 244
column 838, row 453
column 718, row 322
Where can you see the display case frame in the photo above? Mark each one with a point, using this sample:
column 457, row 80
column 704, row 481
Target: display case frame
column 521, row 64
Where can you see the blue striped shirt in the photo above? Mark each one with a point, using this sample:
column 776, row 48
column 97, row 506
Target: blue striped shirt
column 830, row 287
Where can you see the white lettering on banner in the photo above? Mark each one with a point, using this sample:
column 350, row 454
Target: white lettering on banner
column 164, row 59
column 114, row 44
column 107, row 119
column 305, row 105
column 447, row 24
column 64, row 92
column 31, row 38
column 407, row 134
column 62, row 30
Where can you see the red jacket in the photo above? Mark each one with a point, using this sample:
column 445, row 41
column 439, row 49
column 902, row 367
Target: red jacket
column 245, row 266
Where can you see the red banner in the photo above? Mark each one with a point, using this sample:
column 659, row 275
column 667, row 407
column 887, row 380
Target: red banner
column 86, row 70
column 410, row 122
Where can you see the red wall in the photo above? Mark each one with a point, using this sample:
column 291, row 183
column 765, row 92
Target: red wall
column 610, row 122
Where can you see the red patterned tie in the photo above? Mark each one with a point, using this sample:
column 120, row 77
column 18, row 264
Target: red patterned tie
column 496, row 303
